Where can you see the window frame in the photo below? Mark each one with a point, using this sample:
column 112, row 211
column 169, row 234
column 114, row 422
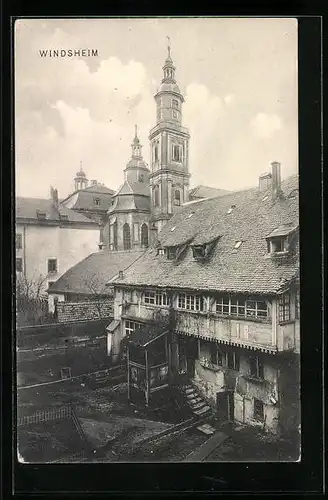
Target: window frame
column 133, row 326
column 177, row 200
column 259, row 367
column 190, row 302
column 258, row 413
column 55, row 270
column 240, row 307
column 19, row 269
column 127, row 243
column 284, row 308
column 19, row 241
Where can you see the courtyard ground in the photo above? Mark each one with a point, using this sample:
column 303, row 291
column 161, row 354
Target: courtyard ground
column 120, row 432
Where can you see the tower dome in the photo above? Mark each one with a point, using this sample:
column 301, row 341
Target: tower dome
column 80, row 180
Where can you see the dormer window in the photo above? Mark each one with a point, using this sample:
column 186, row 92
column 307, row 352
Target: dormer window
column 161, row 252
column 96, row 201
column 237, row 244
column 202, row 250
column 276, row 245
column 64, row 216
column 40, row 214
column 279, row 240
column 171, row 253
column 199, row 252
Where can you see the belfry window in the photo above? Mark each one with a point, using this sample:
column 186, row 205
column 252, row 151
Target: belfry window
column 126, row 237
column 144, row 235
column 177, row 197
column 156, row 152
column 156, row 196
column 176, row 152
column 175, row 104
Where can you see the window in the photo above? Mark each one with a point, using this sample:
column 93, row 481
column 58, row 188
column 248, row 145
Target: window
column 258, row 410
column 52, row 265
column 214, row 354
column 96, row 201
column 127, row 295
column 297, row 304
column 136, row 232
column 19, row 265
column 18, row 240
column 238, row 243
column 131, row 326
column 276, row 245
column 40, row 214
column 176, row 152
column 177, row 200
column 144, row 235
column 198, row 252
column 175, row 104
column 156, row 152
column 141, row 177
column 156, row 298
column 284, row 308
column 238, row 306
column 190, row 302
column 115, row 235
column 174, row 114
column 171, row 253
column 161, row 251
column 256, row 367
column 156, row 196
column 233, row 360
column 126, row 237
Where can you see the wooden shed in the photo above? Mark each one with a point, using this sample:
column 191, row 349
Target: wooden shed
column 148, row 364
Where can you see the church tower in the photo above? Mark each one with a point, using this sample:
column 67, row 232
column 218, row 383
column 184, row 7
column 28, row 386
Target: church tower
column 80, row 181
column 169, row 178
column 128, row 214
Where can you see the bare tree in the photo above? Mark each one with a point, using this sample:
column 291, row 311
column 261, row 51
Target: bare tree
column 31, row 301
column 100, row 294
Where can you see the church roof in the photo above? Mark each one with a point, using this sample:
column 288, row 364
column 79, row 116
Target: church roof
column 28, row 208
column 84, row 199
column 91, row 274
column 169, row 87
column 206, row 192
column 242, row 216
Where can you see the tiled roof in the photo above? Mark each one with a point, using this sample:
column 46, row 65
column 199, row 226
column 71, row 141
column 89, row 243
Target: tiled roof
column 140, row 188
column 92, row 273
column 84, row 199
column 27, row 208
column 206, row 192
column 246, row 216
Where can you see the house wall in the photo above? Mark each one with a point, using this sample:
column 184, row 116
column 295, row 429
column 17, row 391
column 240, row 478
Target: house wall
column 69, row 245
column 245, row 336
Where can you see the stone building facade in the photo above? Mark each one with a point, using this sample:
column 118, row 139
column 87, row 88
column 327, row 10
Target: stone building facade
column 228, row 268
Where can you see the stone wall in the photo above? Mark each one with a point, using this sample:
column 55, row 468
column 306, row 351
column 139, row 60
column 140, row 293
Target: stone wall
column 89, row 310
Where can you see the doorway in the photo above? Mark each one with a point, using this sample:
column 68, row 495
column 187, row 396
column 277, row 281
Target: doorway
column 225, row 406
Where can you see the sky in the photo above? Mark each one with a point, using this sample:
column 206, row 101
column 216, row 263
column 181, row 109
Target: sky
column 238, row 77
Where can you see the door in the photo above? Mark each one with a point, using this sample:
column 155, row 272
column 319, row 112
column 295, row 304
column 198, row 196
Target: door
column 191, row 353
column 190, row 367
column 231, row 406
column 222, row 404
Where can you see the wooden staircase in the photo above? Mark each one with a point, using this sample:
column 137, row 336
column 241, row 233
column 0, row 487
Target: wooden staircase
column 195, row 401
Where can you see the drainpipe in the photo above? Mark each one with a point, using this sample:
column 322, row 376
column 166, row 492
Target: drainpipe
column 24, row 249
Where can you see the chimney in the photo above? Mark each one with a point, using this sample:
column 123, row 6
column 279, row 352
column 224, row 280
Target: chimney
column 276, row 180
column 265, row 181
column 54, row 197
column 120, row 275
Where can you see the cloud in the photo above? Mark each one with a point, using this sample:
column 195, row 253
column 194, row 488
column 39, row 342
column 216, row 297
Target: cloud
column 229, row 99
column 265, row 126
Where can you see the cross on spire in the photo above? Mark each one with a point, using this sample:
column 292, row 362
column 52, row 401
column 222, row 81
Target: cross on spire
column 168, row 46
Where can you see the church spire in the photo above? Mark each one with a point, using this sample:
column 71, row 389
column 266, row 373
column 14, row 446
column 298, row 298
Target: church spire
column 136, row 146
column 169, row 68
